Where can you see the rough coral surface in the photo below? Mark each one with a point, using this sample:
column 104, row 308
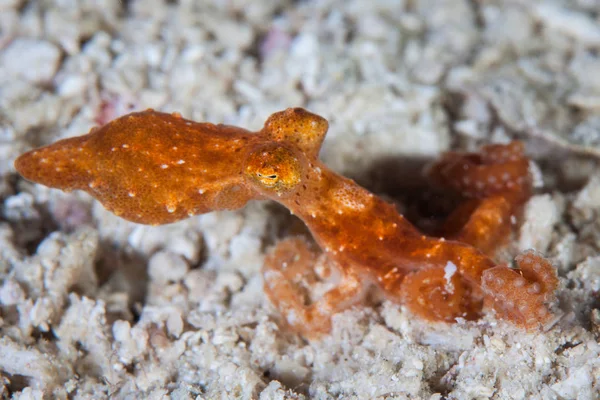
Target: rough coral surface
column 400, row 83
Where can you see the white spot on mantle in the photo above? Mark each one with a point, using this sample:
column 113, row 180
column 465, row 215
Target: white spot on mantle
column 449, row 271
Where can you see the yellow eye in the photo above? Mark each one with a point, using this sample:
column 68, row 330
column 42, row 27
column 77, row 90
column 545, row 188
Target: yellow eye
column 267, row 180
column 274, row 168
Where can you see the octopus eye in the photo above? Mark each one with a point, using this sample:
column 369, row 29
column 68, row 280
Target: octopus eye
column 274, row 168
column 267, row 179
column 272, row 176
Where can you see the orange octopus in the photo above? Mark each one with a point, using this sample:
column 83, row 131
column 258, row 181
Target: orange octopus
column 156, row 168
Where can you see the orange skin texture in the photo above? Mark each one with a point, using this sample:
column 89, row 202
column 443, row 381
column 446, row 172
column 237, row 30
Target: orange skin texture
column 156, row 168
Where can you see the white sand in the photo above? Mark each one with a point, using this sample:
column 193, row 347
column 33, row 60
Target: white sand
column 93, row 307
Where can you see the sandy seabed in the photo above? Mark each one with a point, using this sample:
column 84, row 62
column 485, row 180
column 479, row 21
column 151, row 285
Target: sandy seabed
column 94, row 307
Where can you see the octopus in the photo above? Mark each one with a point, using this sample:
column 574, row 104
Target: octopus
column 158, row 168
